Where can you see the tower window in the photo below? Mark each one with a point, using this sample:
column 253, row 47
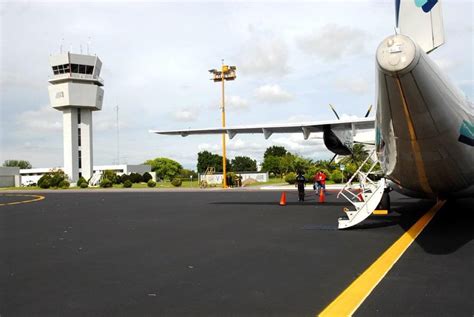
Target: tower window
column 79, row 159
column 89, row 69
column 78, row 115
column 82, row 69
column 79, row 137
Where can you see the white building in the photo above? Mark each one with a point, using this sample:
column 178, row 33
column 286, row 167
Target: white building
column 32, row 175
column 216, row 179
column 76, row 90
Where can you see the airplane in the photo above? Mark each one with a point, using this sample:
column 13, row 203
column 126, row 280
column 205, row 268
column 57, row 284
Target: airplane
column 424, row 125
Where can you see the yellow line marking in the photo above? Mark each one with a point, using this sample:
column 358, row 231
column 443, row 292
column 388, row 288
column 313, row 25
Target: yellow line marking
column 380, row 212
column 37, row 198
column 415, row 147
column 354, row 295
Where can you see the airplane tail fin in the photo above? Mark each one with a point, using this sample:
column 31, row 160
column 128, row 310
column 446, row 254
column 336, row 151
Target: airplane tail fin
column 422, row 21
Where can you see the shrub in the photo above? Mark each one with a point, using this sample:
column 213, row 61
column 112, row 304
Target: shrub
column 336, row 176
column 57, row 176
column 106, row 183
column 44, row 183
column 84, row 185
column 124, row 178
column 64, row 184
column 147, row 177
column 176, row 182
column 151, row 183
column 52, row 179
column 110, row 175
column 290, row 178
column 127, row 184
column 81, row 181
column 118, row 179
column 136, row 178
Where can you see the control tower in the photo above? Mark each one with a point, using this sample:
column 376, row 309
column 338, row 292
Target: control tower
column 76, row 90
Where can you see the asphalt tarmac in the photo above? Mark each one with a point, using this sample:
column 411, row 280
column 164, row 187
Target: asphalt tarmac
column 214, row 253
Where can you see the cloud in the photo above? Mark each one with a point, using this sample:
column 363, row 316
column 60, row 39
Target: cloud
column 105, row 123
column 236, row 103
column 295, row 143
column 185, row 115
column 272, row 94
column 447, row 64
column 208, row 147
column 357, row 86
column 264, row 53
column 42, row 120
column 332, row 42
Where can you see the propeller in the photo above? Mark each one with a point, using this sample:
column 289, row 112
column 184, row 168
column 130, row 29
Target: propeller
column 332, row 159
column 368, row 111
column 338, row 118
column 334, row 110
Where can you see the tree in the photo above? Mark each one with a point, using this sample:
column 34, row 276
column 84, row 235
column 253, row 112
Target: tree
column 275, row 151
column 271, row 164
column 359, row 154
column 287, row 163
column 207, row 159
column 165, row 168
column 302, row 164
column 17, row 163
column 244, row 164
column 186, row 174
column 110, row 175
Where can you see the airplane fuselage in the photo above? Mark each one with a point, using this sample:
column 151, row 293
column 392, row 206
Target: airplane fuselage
column 424, row 124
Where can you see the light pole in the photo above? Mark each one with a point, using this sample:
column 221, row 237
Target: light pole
column 226, row 73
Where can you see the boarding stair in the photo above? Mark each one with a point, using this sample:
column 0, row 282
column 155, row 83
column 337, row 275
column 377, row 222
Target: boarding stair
column 95, row 179
column 365, row 197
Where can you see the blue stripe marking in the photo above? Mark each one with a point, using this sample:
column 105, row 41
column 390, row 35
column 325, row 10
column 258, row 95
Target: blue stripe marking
column 466, row 133
column 429, row 5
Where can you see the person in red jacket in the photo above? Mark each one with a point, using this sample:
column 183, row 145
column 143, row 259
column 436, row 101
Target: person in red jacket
column 320, row 179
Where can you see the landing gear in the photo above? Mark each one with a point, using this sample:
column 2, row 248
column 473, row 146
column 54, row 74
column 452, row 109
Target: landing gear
column 385, row 201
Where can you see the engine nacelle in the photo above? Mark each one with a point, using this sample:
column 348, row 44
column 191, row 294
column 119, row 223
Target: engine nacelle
column 338, row 141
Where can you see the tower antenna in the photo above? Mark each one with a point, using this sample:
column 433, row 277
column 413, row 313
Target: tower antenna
column 118, row 133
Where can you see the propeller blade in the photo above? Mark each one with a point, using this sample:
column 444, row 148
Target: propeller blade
column 334, row 110
column 332, row 159
column 368, row 111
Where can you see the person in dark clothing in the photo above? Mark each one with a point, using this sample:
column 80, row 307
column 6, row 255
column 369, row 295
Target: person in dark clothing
column 300, row 181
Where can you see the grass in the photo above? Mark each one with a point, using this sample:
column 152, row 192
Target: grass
column 164, row 184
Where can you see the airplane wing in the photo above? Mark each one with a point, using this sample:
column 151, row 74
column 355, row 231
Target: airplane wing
column 350, row 125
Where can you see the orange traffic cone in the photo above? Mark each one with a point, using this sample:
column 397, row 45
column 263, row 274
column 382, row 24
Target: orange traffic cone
column 321, row 195
column 283, row 199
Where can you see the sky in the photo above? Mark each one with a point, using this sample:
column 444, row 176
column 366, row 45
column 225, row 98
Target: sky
column 293, row 59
